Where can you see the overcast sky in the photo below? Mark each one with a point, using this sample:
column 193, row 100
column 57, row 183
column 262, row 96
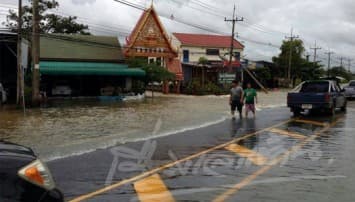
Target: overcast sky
column 330, row 22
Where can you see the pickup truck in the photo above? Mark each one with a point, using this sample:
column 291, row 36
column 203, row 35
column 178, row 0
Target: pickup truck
column 350, row 90
column 321, row 95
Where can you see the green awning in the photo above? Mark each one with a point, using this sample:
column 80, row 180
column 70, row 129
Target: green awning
column 88, row 69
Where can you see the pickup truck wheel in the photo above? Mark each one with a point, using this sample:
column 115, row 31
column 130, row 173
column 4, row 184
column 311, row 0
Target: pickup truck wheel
column 296, row 112
column 343, row 108
column 332, row 111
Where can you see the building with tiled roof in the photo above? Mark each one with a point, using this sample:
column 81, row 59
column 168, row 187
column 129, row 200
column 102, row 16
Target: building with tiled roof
column 194, row 46
column 214, row 48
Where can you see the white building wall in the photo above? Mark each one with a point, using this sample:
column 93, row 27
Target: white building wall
column 195, row 52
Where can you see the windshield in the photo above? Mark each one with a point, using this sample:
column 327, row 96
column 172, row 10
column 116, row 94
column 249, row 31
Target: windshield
column 315, row 87
column 352, row 84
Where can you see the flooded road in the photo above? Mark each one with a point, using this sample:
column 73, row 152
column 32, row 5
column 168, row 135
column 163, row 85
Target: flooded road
column 266, row 159
column 69, row 128
column 197, row 154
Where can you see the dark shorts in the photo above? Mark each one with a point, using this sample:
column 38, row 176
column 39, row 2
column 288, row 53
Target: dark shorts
column 236, row 105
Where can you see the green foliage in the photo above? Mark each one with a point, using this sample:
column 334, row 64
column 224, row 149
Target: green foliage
column 136, row 62
column 49, row 22
column 310, row 71
column 301, row 68
column 195, row 88
column 282, row 61
column 138, row 87
column 156, row 73
column 202, row 61
column 263, row 74
column 28, row 94
column 340, row 71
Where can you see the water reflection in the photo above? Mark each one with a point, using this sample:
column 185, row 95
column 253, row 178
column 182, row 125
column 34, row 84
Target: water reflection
column 239, row 127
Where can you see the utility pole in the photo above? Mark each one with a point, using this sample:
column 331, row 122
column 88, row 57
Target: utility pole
column 329, row 54
column 234, row 20
column 35, row 54
column 315, row 49
column 19, row 53
column 341, row 61
column 349, row 68
column 291, row 38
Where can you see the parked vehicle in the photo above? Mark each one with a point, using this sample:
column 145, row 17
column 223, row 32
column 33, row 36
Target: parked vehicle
column 321, row 95
column 24, row 177
column 3, row 95
column 350, row 90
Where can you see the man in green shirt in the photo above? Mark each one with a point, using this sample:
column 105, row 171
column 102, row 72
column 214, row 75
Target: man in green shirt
column 250, row 96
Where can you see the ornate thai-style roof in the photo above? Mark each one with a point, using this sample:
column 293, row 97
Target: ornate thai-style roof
column 149, row 38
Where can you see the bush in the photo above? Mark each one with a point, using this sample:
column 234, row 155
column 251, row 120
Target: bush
column 138, row 87
column 195, row 88
column 28, row 95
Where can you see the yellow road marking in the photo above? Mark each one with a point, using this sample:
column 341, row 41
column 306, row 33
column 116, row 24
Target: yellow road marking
column 287, row 133
column 169, row 165
column 251, row 155
column 317, row 123
column 270, row 165
column 153, row 189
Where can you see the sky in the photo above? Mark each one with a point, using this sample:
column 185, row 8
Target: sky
column 266, row 23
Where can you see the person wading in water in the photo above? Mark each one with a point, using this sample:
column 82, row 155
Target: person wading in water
column 236, row 99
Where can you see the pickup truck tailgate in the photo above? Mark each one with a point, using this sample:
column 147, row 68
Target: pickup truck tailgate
column 306, row 98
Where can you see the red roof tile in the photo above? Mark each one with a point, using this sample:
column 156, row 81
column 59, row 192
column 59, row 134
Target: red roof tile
column 205, row 40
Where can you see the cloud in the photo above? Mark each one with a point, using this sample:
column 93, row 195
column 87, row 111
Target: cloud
column 330, row 22
column 83, row 1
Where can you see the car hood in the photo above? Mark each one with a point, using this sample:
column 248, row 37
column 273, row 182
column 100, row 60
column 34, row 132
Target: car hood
column 7, row 148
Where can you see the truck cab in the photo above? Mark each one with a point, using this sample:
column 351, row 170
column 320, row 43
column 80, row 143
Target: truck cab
column 318, row 95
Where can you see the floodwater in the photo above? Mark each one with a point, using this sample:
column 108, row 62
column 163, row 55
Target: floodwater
column 69, row 128
column 320, row 170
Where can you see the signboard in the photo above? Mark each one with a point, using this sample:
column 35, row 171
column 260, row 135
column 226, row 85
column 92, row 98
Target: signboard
column 24, row 49
column 226, row 78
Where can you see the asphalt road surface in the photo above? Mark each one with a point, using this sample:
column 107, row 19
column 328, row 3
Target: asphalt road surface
column 274, row 157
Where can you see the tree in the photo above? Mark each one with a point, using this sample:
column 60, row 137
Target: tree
column 340, row 71
column 301, row 68
column 154, row 72
column 49, row 22
column 310, row 71
column 282, row 61
column 202, row 61
column 264, row 74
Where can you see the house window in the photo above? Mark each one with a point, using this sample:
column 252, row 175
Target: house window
column 159, row 62
column 212, row 51
column 237, row 55
column 186, row 55
column 151, row 61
